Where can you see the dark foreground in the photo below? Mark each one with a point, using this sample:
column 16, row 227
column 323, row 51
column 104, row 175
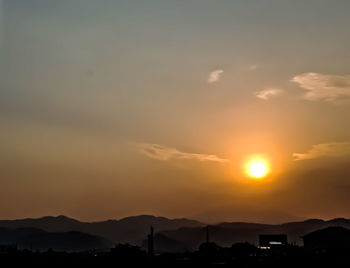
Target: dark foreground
column 209, row 255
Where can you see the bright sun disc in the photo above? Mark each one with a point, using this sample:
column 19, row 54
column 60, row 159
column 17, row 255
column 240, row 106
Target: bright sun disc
column 257, row 169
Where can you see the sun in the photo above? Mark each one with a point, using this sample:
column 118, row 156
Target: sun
column 257, row 168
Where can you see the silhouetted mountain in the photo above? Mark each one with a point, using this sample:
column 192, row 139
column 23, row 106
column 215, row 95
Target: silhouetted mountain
column 165, row 244
column 171, row 234
column 332, row 238
column 37, row 239
column 48, row 223
column 225, row 234
column 127, row 230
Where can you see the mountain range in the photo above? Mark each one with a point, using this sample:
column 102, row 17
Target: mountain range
column 37, row 239
column 228, row 233
column 131, row 230
column 64, row 233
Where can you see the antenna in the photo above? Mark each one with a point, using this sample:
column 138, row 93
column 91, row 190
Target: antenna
column 151, row 242
column 207, row 233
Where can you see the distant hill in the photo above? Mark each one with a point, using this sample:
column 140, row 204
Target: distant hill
column 127, row 230
column 171, row 234
column 225, row 234
column 37, row 239
column 164, row 244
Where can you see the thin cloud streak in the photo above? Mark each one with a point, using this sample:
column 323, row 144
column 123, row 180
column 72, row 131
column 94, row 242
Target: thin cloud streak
column 163, row 153
column 215, row 76
column 253, row 67
column 269, row 93
column 333, row 149
column 324, row 87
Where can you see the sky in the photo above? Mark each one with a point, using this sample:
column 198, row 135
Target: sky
column 117, row 108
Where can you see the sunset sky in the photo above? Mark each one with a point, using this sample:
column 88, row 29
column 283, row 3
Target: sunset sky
column 113, row 108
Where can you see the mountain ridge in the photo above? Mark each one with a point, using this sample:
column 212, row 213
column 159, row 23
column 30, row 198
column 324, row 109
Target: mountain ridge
column 126, row 230
column 225, row 234
column 178, row 233
column 37, row 239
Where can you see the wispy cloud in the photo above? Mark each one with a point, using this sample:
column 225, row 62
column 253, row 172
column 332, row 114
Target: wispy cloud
column 323, row 86
column 215, row 75
column 333, row 149
column 253, row 67
column 164, row 153
column 269, row 93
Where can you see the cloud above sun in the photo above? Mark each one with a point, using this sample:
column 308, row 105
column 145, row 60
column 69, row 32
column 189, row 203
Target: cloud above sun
column 333, row 149
column 215, row 75
column 269, row 93
column 253, row 67
column 163, row 153
column 324, row 86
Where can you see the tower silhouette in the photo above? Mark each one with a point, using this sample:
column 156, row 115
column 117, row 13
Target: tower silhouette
column 207, row 234
column 151, row 242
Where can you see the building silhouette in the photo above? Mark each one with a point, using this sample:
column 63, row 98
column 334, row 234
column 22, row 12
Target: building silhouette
column 268, row 241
